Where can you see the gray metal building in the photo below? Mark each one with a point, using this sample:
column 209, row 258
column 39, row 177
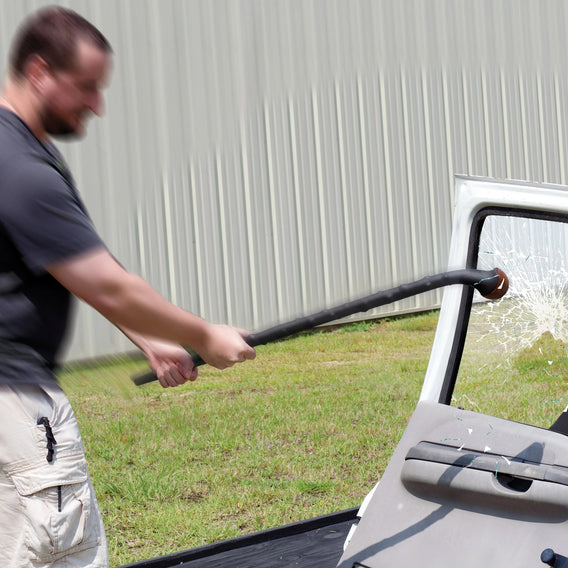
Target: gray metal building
column 263, row 159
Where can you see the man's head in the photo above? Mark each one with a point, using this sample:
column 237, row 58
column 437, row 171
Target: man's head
column 66, row 62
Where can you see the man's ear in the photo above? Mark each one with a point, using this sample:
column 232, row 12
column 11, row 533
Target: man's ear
column 37, row 72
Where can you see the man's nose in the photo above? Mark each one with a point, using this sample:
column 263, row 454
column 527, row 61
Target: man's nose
column 96, row 104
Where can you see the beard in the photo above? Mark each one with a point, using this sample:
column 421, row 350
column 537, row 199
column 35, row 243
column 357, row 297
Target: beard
column 58, row 127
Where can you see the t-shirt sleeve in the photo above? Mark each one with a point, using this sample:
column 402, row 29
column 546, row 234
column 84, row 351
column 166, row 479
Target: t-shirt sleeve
column 44, row 217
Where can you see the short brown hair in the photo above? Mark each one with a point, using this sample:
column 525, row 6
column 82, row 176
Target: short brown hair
column 52, row 33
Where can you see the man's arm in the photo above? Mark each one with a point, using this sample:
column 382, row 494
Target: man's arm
column 132, row 304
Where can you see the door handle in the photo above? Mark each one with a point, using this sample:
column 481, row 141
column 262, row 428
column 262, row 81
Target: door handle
column 500, row 465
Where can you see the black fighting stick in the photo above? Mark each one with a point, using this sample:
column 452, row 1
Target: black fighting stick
column 492, row 284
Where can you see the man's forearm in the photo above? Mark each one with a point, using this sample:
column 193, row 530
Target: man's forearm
column 141, row 311
column 131, row 303
column 127, row 300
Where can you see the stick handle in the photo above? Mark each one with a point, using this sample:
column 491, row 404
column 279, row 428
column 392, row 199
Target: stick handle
column 487, row 282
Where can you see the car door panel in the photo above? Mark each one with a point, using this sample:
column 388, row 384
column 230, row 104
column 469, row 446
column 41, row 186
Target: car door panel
column 465, row 489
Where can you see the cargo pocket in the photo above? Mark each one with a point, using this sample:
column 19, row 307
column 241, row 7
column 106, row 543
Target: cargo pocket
column 58, row 504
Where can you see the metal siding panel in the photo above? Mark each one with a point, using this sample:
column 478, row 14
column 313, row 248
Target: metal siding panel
column 560, row 120
column 301, row 303
column 239, row 265
column 260, row 213
column 274, row 212
column 550, row 139
column 366, row 212
column 284, row 211
column 404, row 251
column 494, row 125
column 215, row 285
column 515, row 128
column 265, row 159
column 310, row 206
column 355, row 195
column 438, row 158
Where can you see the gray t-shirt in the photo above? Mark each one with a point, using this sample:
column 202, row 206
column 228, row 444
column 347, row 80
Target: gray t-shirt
column 42, row 221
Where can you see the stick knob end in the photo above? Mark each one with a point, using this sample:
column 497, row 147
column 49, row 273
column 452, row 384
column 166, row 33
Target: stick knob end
column 501, row 288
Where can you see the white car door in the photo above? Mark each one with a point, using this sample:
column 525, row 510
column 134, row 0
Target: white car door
column 476, row 478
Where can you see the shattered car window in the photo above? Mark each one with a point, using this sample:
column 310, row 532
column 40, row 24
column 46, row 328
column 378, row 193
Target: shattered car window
column 515, row 359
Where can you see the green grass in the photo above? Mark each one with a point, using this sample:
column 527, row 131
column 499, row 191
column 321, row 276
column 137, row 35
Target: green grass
column 304, row 430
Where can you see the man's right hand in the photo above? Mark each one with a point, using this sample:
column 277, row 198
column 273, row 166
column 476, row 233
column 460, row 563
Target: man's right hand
column 222, row 346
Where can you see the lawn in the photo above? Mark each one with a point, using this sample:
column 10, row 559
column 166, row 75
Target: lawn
column 304, row 430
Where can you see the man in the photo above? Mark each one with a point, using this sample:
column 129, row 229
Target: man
column 49, row 251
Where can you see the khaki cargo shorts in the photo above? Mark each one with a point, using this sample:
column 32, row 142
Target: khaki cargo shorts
column 49, row 517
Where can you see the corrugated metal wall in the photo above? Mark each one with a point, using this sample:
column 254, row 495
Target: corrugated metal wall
column 262, row 159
